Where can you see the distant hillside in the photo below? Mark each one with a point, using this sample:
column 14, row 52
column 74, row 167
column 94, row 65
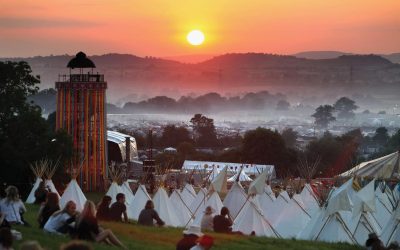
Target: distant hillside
column 136, row 77
column 395, row 57
column 320, row 54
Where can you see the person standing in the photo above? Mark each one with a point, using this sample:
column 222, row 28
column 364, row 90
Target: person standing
column 118, row 209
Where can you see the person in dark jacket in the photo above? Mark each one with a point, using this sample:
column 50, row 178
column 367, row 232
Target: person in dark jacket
column 190, row 237
column 223, row 222
column 48, row 209
column 103, row 209
column 118, row 209
column 87, row 227
column 147, row 215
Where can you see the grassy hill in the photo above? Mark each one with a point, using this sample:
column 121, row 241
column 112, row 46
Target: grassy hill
column 139, row 237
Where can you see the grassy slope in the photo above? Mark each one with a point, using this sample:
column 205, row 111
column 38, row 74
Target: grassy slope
column 138, row 237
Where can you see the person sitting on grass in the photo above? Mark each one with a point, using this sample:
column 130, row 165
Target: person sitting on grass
column 12, row 207
column 87, row 227
column 61, row 222
column 189, row 239
column 205, row 242
column 207, row 220
column 48, row 209
column 118, row 209
column 223, row 222
column 103, row 209
column 148, row 214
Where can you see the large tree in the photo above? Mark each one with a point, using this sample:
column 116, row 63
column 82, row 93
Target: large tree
column 323, row 116
column 290, row 137
column 25, row 136
column 345, row 108
column 204, row 130
column 172, row 136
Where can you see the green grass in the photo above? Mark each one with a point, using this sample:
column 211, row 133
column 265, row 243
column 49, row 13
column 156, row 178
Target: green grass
column 139, row 237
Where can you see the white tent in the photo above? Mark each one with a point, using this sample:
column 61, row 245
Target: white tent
column 334, row 229
column 383, row 208
column 214, row 173
column 242, row 177
column 50, row 185
column 310, row 200
column 391, row 231
column 183, row 211
column 214, row 201
column 127, row 191
column 73, row 193
column 165, row 208
column 138, row 203
column 235, row 199
column 293, row 218
column 266, row 201
column 113, row 190
column 274, row 209
column 200, row 197
column 251, row 219
column 219, row 183
column 188, row 194
column 31, row 197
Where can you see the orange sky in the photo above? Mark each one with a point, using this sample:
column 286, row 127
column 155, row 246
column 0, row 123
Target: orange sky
column 159, row 27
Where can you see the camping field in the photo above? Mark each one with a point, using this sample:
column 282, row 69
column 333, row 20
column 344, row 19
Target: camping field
column 138, row 237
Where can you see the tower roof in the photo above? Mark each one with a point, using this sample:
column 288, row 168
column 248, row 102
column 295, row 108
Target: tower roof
column 81, row 61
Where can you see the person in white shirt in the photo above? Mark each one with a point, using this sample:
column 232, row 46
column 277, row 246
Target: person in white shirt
column 61, row 221
column 12, row 207
column 207, row 220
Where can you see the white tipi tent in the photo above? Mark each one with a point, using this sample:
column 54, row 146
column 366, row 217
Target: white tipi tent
column 50, row 171
column 38, row 169
column 73, row 193
column 391, row 231
column 188, row 194
column 138, row 203
column 200, row 197
column 235, row 199
column 126, row 189
column 250, row 219
column 310, row 200
column 165, row 209
column 242, row 177
column 116, row 175
column 214, row 201
column 184, row 214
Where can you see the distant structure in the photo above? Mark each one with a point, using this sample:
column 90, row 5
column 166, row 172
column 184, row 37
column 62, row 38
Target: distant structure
column 81, row 97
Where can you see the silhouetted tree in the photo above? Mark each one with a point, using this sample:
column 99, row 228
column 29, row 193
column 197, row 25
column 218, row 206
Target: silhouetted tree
column 204, row 130
column 345, row 108
column 172, row 136
column 323, row 116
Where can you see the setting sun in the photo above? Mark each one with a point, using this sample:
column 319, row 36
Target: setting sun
column 195, row 37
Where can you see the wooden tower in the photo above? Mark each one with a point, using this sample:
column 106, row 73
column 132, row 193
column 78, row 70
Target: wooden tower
column 81, row 111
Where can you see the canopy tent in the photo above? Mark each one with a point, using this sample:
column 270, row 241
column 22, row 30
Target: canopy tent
column 73, row 193
column 165, row 209
column 382, row 168
column 250, row 169
column 138, row 203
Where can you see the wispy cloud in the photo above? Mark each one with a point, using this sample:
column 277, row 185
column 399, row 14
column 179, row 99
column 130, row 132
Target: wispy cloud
column 30, row 23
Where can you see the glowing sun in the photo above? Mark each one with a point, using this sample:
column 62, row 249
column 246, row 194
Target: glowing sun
column 195, row 37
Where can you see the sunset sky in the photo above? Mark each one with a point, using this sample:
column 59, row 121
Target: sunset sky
column 159, row 27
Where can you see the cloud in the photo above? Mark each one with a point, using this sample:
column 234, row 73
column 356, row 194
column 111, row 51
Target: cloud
column 30, row 23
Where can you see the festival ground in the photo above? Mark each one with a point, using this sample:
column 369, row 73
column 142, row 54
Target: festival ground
column 139, row 237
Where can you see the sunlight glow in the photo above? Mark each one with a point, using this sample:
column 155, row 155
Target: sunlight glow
column 195, row 37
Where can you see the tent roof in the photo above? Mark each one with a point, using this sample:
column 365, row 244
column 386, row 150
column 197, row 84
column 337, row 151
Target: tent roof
column 243, row 177
column 384, row 167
